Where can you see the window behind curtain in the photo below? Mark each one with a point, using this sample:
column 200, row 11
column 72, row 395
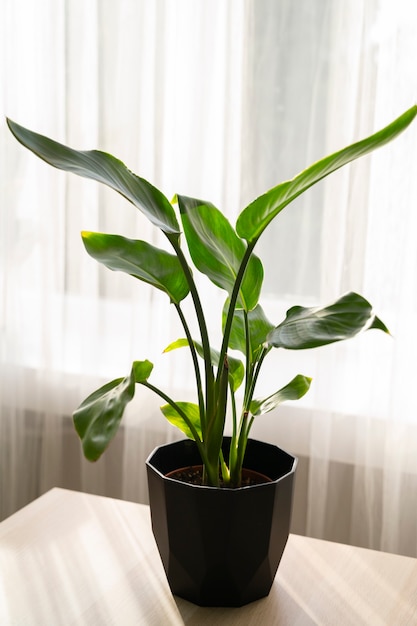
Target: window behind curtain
column 285, row 108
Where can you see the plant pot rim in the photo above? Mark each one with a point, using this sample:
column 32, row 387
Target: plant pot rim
column 273, row 481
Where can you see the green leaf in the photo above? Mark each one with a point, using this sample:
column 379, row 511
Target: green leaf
column 106, row 169
column 139, row 259
column 191, row 411
column 217, row 251
column 256, row 216
column 313, row 327
column 295, row 390
column 182, row 343
column 142, row 370
column 97, row 419
column 236, row 367
column 259, row 327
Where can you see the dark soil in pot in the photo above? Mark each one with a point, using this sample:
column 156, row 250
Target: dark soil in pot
column 193, row 474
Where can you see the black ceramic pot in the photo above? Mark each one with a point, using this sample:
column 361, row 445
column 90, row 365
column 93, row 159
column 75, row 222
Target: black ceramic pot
column 221, row 547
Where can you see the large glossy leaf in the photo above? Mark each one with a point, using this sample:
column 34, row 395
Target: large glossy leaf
column 97, row 419
column 255, row 218
column 295, row 390
column 236, row 367
column 313, row 327
column 106, row 169
column 259, row 327
column 191, row 411
column 139, row 259
column 217, row 251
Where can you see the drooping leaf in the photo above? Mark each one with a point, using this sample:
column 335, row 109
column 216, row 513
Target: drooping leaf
column 256, row 216
column 191, row 411
column 97, row 419
column 313, row 327
column 106, row 169
column 217, row 251
column 259, row 327
column 236, row 367
column 295, row 390
column 139, row 259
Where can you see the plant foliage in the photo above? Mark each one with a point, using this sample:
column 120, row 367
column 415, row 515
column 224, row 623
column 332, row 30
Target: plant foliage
column 226, row 256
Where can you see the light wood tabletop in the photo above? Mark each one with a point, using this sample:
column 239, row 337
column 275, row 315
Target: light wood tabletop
column 73, row 558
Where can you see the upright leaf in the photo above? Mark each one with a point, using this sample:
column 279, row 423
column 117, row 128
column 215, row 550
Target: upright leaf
column 256, row 216
column 217, row 251
column 313, row 327
column 105, row 169
column 139, row 259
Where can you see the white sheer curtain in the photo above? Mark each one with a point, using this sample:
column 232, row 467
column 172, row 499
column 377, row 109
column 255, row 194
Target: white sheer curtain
column 218, row 100
column 357, row 427
column 144, row 81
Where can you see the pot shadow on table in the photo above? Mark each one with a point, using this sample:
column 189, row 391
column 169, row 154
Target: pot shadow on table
column 277, row 609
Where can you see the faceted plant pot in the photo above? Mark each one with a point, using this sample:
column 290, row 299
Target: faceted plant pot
column 221, row 547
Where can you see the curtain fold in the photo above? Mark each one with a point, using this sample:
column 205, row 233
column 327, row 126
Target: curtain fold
column 220, row 101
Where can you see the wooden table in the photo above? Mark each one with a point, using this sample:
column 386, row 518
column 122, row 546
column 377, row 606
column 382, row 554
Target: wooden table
column 72, row 558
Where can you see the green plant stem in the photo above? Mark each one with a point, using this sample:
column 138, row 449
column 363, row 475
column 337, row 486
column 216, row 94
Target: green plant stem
column 224, row 469
column 248, row 371
column 215, row 426
column 234, row 413
column 246, row 420
column 235, row 457
column 234, row 446
column 205, row 342
column 177, row 408
column 232, row 305
column 257, row 369
column 196, row 368
column 241, row 445
column 237, row 453
column 233, row 442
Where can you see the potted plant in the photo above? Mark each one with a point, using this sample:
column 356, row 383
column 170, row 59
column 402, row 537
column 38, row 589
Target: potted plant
column 220, row 533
